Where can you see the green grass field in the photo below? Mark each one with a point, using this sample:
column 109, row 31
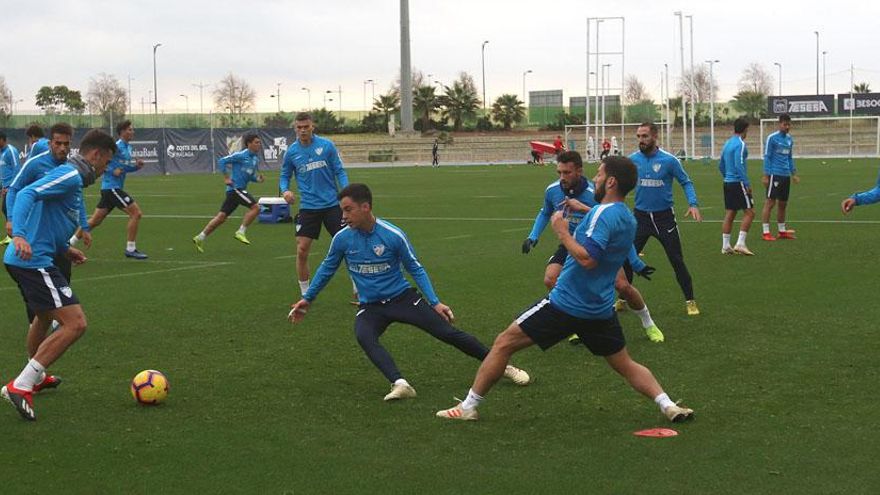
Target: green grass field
column 781, row 367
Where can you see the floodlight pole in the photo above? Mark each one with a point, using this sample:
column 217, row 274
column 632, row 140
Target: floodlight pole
column 483, row 59
column 683, row 104
column 693, row 91
column 309, row 93
column 824, row 71
column 528, row 116
column 201, row 87
column 406, row 94
column 817, row 61
column 777, row 64
column 711, row 109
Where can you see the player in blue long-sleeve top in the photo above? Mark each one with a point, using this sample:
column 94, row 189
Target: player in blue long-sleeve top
column 863, row 198
column 9, row 164
column 779, row 173
column 36, row 141
column 114, row 196
column 737, row 189
column 575, row 195
column 43, row 219
column 376, row 252
column 315, row 164
column 239, row 169
column 654, row 207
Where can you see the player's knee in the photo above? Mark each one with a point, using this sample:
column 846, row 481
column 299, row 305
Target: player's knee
column 75, row 324
column 365, row 337
column 622, row 286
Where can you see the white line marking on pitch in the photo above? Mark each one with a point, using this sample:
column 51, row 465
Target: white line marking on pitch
column 135, row 274
column 456, row 237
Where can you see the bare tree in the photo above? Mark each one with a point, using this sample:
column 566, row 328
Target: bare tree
column 634, row 91
column 107, row 97
column 234, row 95
column 703, row 87
column 5, row 98
column 756, row 79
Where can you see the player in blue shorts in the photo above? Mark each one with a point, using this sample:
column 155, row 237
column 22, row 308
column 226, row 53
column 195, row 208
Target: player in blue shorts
column 737, row 189
column 583, row 298
column 375, row 252
column 779, row 174
column 42, row 225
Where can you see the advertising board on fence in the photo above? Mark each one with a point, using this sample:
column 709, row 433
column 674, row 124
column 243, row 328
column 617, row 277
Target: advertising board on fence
column 860, row 104
column 801, row 105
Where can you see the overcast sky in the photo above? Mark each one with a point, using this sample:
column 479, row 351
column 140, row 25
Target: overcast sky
column 331, row 43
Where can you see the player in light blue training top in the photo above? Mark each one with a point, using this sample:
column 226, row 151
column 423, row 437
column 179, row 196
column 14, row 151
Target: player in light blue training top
column 114, row 196
column 319, row 173
column 583, row 299
column 737, row 189
column 375, row 252
column 779, row 173
column 654, row 207
column 244, row 166
column 863, row 198
column 36, row 142
column 9, row 165
column 575, row 194
column 43, row 220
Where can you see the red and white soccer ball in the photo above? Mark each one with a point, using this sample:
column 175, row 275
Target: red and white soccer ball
column 149, row 387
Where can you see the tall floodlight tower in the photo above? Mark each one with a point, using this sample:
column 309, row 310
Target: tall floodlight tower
column 406, row 96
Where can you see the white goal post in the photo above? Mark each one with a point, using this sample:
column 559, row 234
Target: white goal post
column 831, row 137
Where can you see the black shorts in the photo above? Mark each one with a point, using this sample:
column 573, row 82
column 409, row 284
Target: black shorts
column 737, row 196
column 43, row 289
column 559, row 256
column 547, row 325
column 114, row 198
column 308, row 222
column 779, row 187
column 3, row 202
column 237, row 197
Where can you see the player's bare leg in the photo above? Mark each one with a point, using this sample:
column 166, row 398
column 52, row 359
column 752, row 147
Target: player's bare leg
column 303, row 246
column 769, row 204
column 636, row 302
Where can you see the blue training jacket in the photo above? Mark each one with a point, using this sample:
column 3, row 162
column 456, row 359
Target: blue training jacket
column 778, row 158
column 317, row 169
column 733, row 160
column 46, row 214
column 121, row 161
column 33, row 170
column 9, row 164
column 656, row 173
column 868, row 197
column 374, row 261
column 244, row 168
column 40, row 145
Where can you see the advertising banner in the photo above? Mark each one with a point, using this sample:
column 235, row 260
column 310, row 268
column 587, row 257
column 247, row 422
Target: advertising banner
column 801, row 105
column 861, row 104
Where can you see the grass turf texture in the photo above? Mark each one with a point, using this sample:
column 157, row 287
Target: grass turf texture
column 779, row 367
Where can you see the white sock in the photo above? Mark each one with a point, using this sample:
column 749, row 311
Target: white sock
column 472, row 401
column 742, row 238
column 130, row 246
column 663, row 401
column 241, row 229
column 202, row 235
column 402, row 381
column 29, row 376
column 725, row 241
column 645, row 315
column 781, row 227
column 765, row 228
column 303, row 286
column 73, row 240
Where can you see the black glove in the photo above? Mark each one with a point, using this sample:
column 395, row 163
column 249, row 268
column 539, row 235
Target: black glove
column 646, row 272
column 527, row 245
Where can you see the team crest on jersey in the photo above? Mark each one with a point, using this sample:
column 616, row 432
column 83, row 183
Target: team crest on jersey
column 379, row 249
column 656, row 167
column 66, row 291
column 319, row 150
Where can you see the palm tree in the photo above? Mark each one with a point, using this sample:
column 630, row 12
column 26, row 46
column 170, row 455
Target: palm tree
column 387, row 104
column 459, row 103
column 862, row 88
column 425, row 102
column 508, row 110
column 750, row 102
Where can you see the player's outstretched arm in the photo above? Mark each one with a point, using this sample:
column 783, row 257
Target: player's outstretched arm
column 298, row 311
column 847, row 205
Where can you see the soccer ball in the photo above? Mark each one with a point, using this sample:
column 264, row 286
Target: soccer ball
column 149, row 387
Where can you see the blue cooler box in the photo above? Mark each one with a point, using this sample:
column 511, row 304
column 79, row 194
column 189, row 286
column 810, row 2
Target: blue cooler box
column 274, row 210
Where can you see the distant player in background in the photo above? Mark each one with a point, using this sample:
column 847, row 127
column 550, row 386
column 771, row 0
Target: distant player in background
column 779, row 173
column 376, row 252
column 606, row 149
column 435, row 154
column 737, row 189
column 36, row 142
column 863, row 198
column 654, row 208
column 37, row 239
column 9, row 164
column 574, row 195
column 591, row 148
column 582, row 300
column 245, row 169
column 112, row 194
column 615, row 149
column 558, row 147
column 319, row 173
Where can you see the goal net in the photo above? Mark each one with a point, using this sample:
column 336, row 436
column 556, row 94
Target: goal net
column 830, row 136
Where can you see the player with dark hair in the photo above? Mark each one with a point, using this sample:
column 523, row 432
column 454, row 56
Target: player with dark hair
column 244, row 170
column 112, row 194
column 315, row 164
column 583, row 298
column 9, row 165
column 29, row 261
column 574, row 194
column 654, row 210
column 737, row 189
column 375, row 252
column 36, row 142
column 779, row 173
